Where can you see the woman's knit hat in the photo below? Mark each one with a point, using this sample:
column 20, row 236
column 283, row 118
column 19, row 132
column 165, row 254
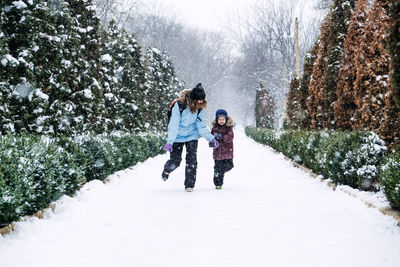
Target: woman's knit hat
column 198, row 93
column 221, row 112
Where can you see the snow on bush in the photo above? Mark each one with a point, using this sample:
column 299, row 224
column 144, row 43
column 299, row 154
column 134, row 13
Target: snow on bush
column 35, row 171
column 350, row 158
column 106, row 58
column 19, row 4
column 390, row 179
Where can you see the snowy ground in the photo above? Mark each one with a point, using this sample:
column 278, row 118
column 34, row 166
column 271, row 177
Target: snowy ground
column 267, row 214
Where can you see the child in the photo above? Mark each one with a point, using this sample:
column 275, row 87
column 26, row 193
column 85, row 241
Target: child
column 223, row 155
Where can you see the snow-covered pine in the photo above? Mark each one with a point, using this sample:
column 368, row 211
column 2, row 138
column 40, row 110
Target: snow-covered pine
column 326, row 69
column 88, row 64
column 265, row 107
column 345, row 105
column 67, row 75
column 316, row 89
column 5, row 66
column 390, row 127
column 165, row 83
column 124, row 74
column 18, row 17
column 394, row 48
column 372, row 79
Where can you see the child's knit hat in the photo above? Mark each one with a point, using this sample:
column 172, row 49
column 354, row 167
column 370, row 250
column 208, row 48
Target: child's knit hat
column 221, row 112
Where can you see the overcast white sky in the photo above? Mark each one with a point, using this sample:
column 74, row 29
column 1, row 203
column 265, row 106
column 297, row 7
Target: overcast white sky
column 213, row 14
column 206, row 14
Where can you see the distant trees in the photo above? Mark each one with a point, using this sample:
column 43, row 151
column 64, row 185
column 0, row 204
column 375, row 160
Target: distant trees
column 323, row 4
column 198, row 56
column 265, row 108
column 119, row 11
column 294, row 112
column 267, row 42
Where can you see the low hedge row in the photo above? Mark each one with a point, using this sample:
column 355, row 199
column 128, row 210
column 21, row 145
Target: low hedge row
column 36, row 170
column 357, row 159
column 390, row 179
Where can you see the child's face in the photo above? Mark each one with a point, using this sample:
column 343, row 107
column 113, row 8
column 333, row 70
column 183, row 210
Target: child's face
column 221, row 120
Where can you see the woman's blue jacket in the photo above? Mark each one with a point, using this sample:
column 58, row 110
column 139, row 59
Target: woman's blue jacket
column 187, row 126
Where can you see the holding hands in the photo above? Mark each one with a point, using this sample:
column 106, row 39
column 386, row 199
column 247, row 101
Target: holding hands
column 217, row 136
column 214, row 143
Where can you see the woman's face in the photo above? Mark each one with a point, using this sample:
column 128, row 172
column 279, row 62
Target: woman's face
column 200, row 101
column 221, row 120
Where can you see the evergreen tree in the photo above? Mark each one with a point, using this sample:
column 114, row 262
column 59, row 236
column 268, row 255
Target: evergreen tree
column 394, row 47
column 24, row 26
column 345, row 106
column 372, row 80
column 304, row 87
column 390, row 127
column 57, row 44
column 136, row 79
column 316, row 99
column 110, row 83
column 298, row 115
column 6, row 62
column 341, row 13
column 265, row 108
column 88, row 94
column 125, row 101
column 60, row 60
column 293, row 111
column 329, row 62
column 61, row 73
column 165, row 87
column 43, row 36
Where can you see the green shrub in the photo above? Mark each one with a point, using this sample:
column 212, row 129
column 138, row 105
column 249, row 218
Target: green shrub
column 36, row 170
column 99, row 153
column 390, row 179
column 349, row 158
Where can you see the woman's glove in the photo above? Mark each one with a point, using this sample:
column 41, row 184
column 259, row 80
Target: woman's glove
column 214, row 143
column 168, row 147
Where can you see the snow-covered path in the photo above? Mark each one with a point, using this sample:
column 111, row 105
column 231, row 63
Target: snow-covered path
column 267, row 214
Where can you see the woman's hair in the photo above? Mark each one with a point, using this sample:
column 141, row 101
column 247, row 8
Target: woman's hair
column 194, row 105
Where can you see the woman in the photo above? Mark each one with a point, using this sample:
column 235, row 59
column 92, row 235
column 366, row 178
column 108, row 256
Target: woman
column 184, row 129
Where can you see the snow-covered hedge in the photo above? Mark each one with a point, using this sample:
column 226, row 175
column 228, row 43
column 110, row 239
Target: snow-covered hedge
column 350, row 158
column 390, row 180
column 33, row 172
column 36, row 170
